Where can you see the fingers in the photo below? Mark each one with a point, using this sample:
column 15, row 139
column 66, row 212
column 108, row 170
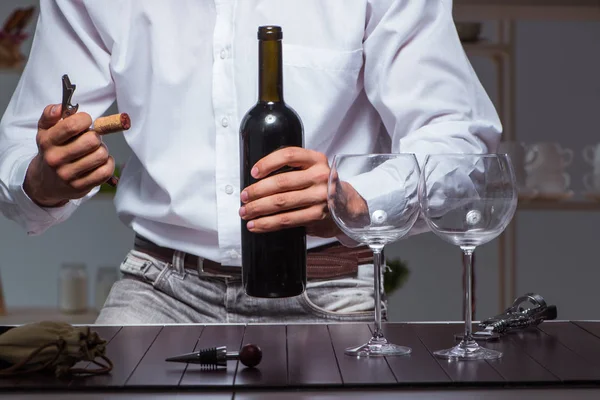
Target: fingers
column 50, row 116
column 71, row 159
column 283, row 202
column 289, row 156
column 73, row 170
column 78, row 147
column 287, row 199
column 287, row 181
column 294, row 180
column 286, row 220
column 94, row 178
column 62, row 131
column 68, row 128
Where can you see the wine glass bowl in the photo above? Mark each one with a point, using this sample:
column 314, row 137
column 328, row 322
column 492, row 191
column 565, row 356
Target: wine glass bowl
column 394, row 205
column 373, row 198
column 467, row 200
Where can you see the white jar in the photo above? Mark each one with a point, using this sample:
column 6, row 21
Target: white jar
column 73, row 288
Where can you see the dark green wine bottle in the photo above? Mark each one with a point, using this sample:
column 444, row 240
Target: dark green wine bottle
column 274, row 263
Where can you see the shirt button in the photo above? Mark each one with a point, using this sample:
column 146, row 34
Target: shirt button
column 223, row 54
column 225, row 122
column 229, row 189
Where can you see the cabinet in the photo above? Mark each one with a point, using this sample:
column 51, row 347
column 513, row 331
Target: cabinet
column 505, row 13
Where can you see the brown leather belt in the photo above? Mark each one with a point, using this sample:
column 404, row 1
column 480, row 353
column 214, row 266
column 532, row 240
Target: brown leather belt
column 325, row 262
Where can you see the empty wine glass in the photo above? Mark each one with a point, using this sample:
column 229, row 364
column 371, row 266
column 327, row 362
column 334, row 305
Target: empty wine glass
column 373, row 198
column 468, row 200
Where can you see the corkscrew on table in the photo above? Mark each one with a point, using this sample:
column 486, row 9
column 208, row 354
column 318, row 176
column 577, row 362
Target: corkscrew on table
column 527, row 311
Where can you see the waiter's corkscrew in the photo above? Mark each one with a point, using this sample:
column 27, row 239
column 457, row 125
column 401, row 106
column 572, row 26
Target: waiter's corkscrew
column 103, row 125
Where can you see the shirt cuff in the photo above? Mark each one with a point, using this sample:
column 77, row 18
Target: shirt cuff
column 390, row 187
column 34, row 218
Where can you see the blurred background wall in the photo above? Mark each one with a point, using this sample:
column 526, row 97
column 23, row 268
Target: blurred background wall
column 557, row 99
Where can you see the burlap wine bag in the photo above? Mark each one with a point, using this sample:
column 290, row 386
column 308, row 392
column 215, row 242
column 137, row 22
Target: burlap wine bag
column 52, row 347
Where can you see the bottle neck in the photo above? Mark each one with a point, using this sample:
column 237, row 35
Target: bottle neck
column 270, row 75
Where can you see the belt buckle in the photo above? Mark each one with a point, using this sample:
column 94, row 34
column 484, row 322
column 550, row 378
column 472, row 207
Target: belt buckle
column 202, row 272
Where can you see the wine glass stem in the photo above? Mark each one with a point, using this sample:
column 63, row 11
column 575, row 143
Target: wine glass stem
column 468, row 260
column 377, row 256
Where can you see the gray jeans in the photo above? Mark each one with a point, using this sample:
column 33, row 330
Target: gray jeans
column 155, row 292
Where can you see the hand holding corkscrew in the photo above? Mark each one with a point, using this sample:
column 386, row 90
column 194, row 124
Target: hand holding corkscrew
column 102, row 126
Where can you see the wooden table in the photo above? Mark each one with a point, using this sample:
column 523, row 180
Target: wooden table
column 555, row 361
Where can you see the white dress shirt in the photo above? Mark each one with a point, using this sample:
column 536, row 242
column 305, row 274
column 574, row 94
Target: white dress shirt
column 364, row 76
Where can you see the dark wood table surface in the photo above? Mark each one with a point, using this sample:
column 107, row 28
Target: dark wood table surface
column 559, row 359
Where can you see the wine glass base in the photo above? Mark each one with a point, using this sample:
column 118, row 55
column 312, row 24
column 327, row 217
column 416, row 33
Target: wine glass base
column 378, row 347
column 470, row 351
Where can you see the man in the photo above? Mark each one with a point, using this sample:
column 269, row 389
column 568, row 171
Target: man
column 364, row 75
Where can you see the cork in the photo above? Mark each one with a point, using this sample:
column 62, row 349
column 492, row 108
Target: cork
column 112, row 123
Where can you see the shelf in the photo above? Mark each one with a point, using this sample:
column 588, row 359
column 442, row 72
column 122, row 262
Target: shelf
column 559, row 205
column 549, row 10
column 484, row 48
column 20, row 315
